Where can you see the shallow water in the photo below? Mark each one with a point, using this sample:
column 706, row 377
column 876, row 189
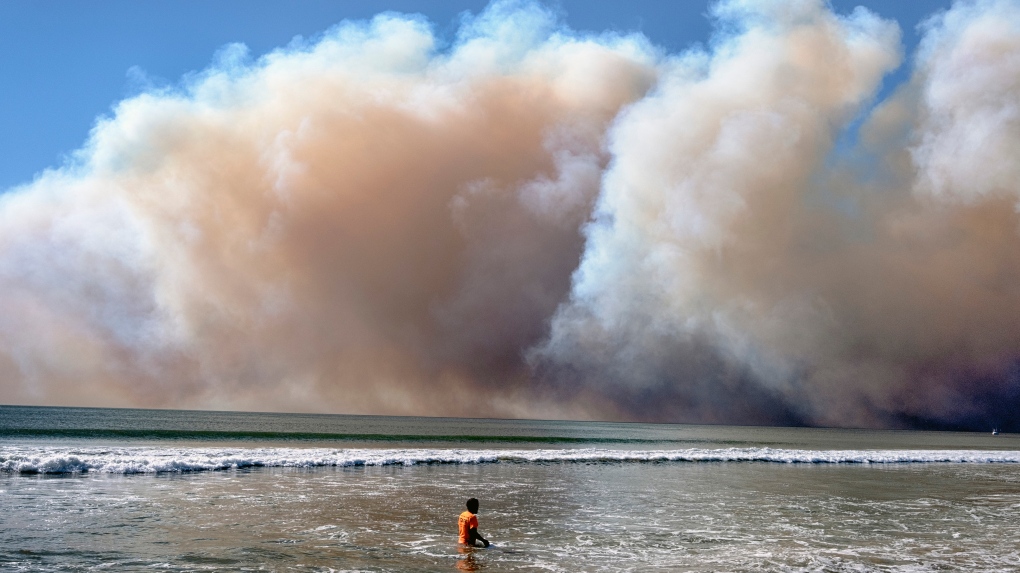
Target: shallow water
column 560, row 511
column 552, row 517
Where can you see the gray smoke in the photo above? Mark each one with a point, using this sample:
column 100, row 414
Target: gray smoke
column 742, row 267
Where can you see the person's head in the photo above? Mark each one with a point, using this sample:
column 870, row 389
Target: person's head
column 472, row 505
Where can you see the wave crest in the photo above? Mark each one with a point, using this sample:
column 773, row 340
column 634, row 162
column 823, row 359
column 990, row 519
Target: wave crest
column 142, row 460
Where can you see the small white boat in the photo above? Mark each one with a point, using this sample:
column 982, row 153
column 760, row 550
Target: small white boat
column 995, row 431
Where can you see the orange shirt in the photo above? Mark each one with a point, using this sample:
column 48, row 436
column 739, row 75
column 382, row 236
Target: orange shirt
column 466, row 521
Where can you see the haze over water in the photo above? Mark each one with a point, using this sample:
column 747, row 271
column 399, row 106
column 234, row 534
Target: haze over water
column 84, row 489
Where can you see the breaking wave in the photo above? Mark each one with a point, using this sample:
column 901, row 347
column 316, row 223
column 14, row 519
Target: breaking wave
column 141, row 460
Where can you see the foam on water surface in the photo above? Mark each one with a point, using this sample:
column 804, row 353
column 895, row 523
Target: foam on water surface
column 33, row 459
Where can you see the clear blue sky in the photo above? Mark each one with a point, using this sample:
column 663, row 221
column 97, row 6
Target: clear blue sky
column 63, row 62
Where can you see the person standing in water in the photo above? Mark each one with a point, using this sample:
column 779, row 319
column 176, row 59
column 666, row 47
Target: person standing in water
column 468, row 526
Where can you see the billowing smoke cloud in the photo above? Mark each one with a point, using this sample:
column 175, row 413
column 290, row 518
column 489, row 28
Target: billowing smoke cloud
column 363, row 224
column 743, row 266
column 534, row 222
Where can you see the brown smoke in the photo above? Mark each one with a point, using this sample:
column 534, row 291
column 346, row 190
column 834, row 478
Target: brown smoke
column 364, row 225
column 537, row 223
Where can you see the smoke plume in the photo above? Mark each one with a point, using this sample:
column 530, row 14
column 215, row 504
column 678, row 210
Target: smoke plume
column 530, row 221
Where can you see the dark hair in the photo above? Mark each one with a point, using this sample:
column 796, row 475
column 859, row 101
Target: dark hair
column 472, row 505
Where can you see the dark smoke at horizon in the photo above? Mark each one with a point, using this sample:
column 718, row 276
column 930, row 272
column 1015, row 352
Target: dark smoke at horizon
column 539, row 223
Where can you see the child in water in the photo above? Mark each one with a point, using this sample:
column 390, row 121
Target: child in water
column 468, row 525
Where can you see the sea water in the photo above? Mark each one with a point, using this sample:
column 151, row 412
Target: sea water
column 86, row 489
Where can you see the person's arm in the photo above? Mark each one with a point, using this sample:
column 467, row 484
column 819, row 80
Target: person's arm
column 474, row 535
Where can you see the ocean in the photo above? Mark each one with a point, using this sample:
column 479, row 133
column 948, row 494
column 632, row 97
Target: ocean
column 129, row 490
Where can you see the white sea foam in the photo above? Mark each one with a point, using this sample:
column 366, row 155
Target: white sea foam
column 130, row 460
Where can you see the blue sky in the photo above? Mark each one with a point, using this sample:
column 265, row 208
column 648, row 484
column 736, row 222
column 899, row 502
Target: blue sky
column 65, row 63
